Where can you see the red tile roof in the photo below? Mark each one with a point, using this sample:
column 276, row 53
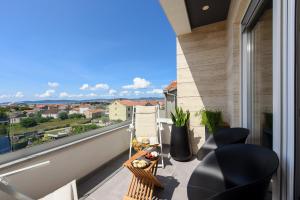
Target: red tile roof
column 172, row 86
column 138, row 103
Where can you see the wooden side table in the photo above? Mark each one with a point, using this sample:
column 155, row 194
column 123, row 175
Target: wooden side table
column 143, row 180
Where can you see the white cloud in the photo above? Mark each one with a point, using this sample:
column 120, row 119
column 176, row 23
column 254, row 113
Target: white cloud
column 138, row 92
column 98, row 86
column 84, row 87
column 4, row 96
column 47, row 93
column 138, row 83
column 124, row 93
column 53, row 84
column 92, row 95
column 67, row 95
column 155, row 91
column 9, row 96
column 112, row 92
column 64, row 94
column 19, row 95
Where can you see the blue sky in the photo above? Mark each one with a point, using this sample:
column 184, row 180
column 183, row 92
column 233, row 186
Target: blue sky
column 82, row 49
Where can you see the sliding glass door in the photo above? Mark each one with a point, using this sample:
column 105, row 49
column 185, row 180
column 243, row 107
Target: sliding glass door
column 257, row 75
column 260, row 77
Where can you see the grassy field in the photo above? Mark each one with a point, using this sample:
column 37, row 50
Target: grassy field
column 53, row 124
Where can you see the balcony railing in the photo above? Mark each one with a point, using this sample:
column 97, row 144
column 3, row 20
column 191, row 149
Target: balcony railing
column 70, row 158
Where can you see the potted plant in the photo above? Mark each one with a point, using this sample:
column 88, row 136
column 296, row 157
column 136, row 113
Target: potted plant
column 212, row 120
column 180, row 148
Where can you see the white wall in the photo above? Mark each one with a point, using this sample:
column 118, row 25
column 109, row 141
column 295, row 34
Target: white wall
column 69, row 163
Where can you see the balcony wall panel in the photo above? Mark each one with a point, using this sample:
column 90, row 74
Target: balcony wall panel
column 72, row 162
column 208, row 69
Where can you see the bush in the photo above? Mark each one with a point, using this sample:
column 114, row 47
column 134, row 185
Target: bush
column 211, row 119
column 39, row 119
column 104, row 119
column 76, row 116
column 83, row 128
column 28, row 122
column 180, row 118
column 63, row 115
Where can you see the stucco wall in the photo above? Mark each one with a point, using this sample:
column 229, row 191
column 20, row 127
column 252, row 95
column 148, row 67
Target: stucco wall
column 70, row 163
column 117, row 111
column 208, row 70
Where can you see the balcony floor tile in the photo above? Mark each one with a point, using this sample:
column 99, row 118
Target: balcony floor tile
column 174, row 177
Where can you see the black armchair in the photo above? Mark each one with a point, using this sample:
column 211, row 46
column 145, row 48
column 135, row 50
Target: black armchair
column 221, row 138
column 233, row 172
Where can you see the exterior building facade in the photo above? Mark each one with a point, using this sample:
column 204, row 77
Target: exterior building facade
column 50, row 113
column 122, row 109
column 93, row 113
column 170, row 93
column 239, row 57
column 83, row 108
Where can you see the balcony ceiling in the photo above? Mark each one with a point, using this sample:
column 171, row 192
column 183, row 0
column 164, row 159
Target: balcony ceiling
column 217, row 11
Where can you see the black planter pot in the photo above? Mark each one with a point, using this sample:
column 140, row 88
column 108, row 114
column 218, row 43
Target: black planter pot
column 180, row 148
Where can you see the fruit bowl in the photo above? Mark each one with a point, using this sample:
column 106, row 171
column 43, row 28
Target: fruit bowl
column 152, row 155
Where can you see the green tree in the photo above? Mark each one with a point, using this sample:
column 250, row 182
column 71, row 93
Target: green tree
column 28, row 122
column 39, row 119
column 63, row 115
column 104, row 119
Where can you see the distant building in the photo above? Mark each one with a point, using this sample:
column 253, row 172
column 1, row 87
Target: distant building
column 50, row 113
column 74, row 111
column 170, row 93
column 29, row 112
column 16, row 117
column 41, row 107
column 84, row 107
column 122, row 109
column 93, row 113
column 63, row 107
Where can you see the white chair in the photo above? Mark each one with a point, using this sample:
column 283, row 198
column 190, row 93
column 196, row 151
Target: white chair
column 67, row 192
column 145, row 125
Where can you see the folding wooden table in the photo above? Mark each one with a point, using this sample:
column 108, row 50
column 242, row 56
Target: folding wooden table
column 143, row 180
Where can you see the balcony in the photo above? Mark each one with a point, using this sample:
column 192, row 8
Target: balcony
column 174, row 177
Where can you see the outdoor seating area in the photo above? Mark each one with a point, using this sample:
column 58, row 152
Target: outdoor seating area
column 179, row 178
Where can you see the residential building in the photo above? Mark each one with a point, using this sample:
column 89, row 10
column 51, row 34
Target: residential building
column 29, row 112
column 16, row 117
column 94, row 113
column 74, row 111
column 122, row 109
column 41, row 107
column 170, row 93
column 63, row 107
column 50, row 113
column 84, row 107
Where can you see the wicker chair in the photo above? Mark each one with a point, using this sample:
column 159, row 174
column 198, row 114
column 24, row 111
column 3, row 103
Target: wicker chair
column 223, row 137
column 233, row 172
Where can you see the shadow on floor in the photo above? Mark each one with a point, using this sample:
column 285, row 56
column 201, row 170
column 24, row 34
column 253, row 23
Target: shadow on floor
column 170, row 183
column 94, row 180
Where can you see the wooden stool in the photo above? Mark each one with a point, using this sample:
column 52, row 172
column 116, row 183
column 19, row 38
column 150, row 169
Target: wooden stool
column 143, row 180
